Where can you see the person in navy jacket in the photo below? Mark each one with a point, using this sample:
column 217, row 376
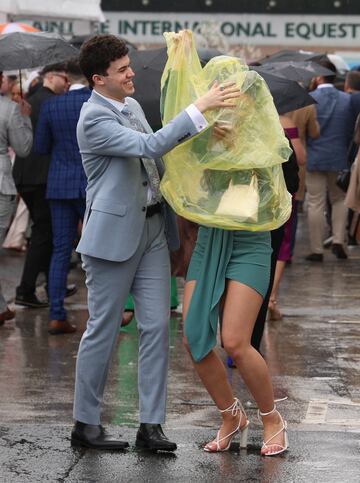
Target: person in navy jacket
column 66, row 184
column 327, row 155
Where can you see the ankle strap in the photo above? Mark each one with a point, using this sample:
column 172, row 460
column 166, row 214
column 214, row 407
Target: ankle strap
column 270, row 412
column 234, row 408
column 273, row 409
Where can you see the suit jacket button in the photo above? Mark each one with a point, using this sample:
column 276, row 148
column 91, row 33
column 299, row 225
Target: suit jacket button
column 143, row 208
column 145, row 183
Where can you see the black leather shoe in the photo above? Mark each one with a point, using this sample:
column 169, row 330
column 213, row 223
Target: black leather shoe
column 338, row 251
column 151, row 436
column 94, row 436
column 30, row 301
column 315, row 257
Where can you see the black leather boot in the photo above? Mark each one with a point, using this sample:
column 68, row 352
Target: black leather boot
column 94, row 436
column 151, row 436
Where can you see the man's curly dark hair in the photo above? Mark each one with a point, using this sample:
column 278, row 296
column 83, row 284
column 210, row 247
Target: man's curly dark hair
column 98, row 52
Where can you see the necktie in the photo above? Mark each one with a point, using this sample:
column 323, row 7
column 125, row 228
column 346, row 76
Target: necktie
column 149, row 164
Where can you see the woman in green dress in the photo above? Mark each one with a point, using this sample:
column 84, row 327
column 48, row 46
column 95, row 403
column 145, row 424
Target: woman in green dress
column 237, row 185
column 231, row 269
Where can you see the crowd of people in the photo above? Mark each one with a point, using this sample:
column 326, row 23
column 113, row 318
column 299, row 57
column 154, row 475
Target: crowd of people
column 66, row 138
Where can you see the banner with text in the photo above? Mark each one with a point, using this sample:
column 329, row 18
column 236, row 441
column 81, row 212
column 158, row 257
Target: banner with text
column 319, row 30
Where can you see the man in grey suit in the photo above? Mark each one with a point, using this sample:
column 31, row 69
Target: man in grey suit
column 127, row 232
column 15, row 132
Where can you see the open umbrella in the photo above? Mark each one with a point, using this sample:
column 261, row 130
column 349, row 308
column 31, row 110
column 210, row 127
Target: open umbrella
column 293, row 55
column 300, row 71
column 25, row 50
column 287, row 94
column 6, row 28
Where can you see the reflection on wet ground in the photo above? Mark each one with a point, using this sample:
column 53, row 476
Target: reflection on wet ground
column 312, row 353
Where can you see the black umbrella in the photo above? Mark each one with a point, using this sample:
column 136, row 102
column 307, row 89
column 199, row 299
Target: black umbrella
column 27, row 50
column 287, row 94
column 300, row 71
column 293, row 55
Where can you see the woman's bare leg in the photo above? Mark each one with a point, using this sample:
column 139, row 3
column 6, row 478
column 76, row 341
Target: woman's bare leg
column 212, row 372
column 274, row 310
column 241, row 308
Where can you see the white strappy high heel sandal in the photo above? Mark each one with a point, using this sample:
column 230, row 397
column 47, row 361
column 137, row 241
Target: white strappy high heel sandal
column 235, row 409
column 266, row 444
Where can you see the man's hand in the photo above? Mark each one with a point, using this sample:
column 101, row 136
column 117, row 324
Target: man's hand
column 218, row 96
column 25, row 108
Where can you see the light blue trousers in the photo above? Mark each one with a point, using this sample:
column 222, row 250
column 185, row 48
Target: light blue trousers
column 146, row 275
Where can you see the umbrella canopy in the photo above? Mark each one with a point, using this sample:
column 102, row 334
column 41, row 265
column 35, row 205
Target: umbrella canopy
column 7, row 28
column 287, row 94
column 293, row 55
column 300, row 71
column 24, row 50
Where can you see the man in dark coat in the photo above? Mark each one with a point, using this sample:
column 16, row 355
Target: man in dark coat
column 30, row 176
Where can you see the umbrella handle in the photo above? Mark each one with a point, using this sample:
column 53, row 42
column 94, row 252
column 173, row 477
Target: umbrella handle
column 20, row 82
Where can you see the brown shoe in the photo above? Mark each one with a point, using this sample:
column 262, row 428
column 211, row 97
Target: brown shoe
column 57, row 327
column 7, row 315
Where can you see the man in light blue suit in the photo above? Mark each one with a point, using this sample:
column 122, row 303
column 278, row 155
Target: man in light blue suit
column 128, row 229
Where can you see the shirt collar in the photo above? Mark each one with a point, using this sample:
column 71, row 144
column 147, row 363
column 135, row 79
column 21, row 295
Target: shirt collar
column 117, row 104
column 74, row 87
column 321, row 86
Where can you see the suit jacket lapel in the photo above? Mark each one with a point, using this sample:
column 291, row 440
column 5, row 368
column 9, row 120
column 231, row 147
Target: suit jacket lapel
column 100, row 100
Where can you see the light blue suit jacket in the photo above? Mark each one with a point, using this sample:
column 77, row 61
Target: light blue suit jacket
column 116, row 195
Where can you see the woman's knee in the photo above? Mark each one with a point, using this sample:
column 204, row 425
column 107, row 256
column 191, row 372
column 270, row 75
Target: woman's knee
column 235, row 348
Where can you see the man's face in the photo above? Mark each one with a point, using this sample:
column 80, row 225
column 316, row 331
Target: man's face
column 58, row 82
column 16, row 93
column 118, row 83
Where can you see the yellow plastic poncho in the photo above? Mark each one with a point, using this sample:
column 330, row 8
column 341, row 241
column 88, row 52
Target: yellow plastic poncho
column 237, row 183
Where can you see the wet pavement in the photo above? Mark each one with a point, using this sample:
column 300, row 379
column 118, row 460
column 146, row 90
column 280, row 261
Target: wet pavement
column 314, row 358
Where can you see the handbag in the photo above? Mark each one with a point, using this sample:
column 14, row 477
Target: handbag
column 343, row 179
column 240, row 201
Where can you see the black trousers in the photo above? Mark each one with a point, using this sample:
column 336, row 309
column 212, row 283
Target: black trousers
column 39, row 252
column 276, row 239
